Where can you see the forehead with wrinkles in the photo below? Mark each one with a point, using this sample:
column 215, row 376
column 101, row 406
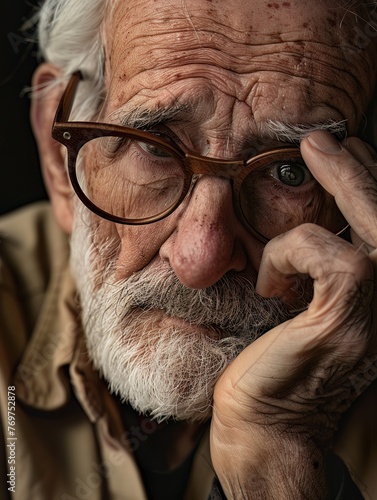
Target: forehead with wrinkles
column 281, row 60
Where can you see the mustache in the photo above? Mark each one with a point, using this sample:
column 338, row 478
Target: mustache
column 231, row 304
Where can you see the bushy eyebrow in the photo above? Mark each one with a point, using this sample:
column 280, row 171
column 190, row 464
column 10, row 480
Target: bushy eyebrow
column 295, row 132
column 272, row 130
column 144, row 118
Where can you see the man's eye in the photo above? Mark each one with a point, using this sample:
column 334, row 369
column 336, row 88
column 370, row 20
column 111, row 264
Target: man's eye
column 292, row 174
column 154, row 150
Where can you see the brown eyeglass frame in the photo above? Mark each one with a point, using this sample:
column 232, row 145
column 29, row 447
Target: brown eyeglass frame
column 75, row 134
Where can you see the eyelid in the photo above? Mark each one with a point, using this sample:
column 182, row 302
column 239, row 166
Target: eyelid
column 147, row 147
column 167, row 135
column 114, row 144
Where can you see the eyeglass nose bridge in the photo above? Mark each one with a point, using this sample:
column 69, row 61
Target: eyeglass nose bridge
column 200, row 165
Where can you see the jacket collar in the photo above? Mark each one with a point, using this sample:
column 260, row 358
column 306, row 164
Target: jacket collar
column 41, row 376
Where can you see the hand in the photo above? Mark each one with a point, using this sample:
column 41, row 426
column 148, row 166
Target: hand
column 277, row 406
column 348, row 171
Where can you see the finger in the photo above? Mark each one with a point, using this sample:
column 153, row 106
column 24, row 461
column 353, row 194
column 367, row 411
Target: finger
column 360, row 244
column 339, row 271
column 346, row 178
column 363, row 152
column 368, row 157
column 335, row 332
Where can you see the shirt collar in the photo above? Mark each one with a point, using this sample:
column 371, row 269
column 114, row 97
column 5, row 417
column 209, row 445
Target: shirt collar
column 41, row 376
column 56, row 361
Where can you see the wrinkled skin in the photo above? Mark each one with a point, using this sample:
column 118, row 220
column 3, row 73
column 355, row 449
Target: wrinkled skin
column 234, row 82
column 238, row 64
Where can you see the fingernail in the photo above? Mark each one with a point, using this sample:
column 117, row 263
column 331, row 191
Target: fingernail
column 325, row 142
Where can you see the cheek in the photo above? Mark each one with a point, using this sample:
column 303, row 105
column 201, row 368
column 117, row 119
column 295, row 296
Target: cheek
column 98, row 179
column 139, row 246
column 132, row 247
column 120, row 248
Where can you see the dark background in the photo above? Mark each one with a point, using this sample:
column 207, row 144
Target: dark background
column 20, row 178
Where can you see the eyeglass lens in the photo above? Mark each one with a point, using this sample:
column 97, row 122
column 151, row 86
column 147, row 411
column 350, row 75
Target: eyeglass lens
column 135, row 180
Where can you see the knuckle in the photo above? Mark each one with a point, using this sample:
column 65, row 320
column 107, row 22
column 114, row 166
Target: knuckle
column 339, row 252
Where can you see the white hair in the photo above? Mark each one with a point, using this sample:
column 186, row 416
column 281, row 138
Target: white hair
column 160, row 346
column 70, row 36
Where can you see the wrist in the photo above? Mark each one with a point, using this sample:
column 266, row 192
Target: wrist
column 256, row 466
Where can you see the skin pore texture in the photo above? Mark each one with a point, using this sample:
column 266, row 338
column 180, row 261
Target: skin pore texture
column 228, row 70
column 234, row 74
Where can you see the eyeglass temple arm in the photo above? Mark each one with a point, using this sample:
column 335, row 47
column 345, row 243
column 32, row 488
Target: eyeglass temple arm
column 66, row 103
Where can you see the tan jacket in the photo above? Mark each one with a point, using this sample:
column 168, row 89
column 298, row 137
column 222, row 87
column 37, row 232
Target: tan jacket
column 71, row 445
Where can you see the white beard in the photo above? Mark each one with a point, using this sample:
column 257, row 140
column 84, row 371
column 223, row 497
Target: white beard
column 161, row 346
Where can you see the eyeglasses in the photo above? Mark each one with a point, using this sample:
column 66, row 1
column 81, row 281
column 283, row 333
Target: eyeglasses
column 132, row 176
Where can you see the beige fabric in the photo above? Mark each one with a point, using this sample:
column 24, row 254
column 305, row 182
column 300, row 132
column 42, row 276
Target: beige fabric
column 69, row 447
column 66, row 448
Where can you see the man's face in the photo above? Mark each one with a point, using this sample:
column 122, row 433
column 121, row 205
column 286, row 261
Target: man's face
column 229, row 68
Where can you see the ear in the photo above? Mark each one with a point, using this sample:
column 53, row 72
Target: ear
column 51, row 153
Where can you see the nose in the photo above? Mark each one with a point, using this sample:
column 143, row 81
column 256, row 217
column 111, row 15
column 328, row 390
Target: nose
column 207, row 242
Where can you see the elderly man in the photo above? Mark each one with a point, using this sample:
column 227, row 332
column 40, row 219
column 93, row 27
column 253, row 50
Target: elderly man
column 215, row 331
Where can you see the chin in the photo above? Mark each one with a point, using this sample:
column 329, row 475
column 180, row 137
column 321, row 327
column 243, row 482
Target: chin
column 162, row 366
column 160, row 346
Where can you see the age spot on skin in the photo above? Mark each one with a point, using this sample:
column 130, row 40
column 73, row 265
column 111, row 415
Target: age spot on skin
column 277, row 6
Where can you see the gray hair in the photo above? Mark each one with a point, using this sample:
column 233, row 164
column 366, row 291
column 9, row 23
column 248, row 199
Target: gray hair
column 70, row 36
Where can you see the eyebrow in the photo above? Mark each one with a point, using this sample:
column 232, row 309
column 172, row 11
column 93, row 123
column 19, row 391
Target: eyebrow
column 294, row 133
column 144, row 118
column 272, row 130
